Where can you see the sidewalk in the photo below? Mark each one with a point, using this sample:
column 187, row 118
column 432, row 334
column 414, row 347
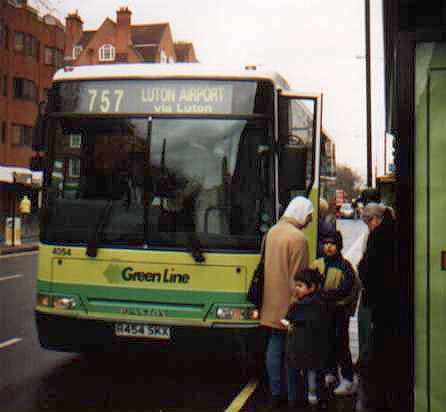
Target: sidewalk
column 27, row 246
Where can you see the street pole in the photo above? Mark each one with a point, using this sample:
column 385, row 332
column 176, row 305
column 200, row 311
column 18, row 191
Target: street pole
column 14, row 204
column 368, row 93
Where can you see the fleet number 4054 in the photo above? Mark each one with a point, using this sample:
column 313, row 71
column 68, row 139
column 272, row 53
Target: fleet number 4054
column 61, row 251
column 106, row 100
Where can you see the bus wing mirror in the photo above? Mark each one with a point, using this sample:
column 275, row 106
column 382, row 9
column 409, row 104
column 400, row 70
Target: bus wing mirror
column 292, row 168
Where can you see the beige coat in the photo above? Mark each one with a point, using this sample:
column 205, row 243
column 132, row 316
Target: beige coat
column 286, row 253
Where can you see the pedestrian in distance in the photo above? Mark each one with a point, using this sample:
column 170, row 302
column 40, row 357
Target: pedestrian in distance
column 308, row 343
column 340, row 289
column 286, row 253
column 25, row 210
column 380, row 296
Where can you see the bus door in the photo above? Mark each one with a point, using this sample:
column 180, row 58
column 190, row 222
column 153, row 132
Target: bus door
column 430, row 221
column 299, row 133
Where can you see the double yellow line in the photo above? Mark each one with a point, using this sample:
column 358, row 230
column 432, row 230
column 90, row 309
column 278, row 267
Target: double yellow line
column 237, row 404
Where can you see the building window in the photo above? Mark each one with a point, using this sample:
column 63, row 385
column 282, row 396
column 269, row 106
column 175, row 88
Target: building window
column 26, row 44
column 25, row 89
column 5, row 85
column 48, row 55
column 107, row 53
column 77, row 50
column 19, row 42
column 163, row 56
column 74, row 167
column 53, row 57
column 3, row 132
column 3, row 34
column 21, row 135
column 75, row 141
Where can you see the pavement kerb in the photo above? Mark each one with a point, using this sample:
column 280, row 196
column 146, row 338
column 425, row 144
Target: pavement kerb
column 8, row 250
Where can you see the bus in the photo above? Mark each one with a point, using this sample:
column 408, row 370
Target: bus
column 159, row 182
column 386, row 185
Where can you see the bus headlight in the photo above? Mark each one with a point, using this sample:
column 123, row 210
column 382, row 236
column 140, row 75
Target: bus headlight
column 64, row 302
column 229, row 313
column 43, row 300
column 57, row 302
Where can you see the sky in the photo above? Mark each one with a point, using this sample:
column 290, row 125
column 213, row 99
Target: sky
column 317, row 45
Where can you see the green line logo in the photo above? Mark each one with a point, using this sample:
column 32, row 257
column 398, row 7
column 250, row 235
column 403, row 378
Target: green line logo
column 116, row 274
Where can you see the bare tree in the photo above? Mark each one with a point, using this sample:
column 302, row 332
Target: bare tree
column 347, row 180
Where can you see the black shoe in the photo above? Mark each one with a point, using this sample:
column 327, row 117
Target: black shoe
column 274, row 404
column 297, row 404
column 322, row 405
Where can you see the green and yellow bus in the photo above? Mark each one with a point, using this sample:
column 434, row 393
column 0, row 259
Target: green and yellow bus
column 159, row 183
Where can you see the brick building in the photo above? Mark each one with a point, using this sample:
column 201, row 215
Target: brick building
column 122, row 42
column 185, row 52
column 31, row 49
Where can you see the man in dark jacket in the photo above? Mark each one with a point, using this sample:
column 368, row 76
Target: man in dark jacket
column 380, row 287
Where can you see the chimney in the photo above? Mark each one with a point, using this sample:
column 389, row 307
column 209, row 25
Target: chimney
column 123, row 35
column 73, row 30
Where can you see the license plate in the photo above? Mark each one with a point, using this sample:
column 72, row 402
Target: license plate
column 135, row 330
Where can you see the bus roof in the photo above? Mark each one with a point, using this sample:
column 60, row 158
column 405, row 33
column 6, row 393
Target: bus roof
column 167, row 71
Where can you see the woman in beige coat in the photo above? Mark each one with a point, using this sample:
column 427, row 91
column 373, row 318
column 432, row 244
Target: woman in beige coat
column 286, row 253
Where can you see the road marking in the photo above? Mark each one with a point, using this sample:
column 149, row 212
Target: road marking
column 242, row 397
column 10, row 277
column 14, row 255
column 10, row 342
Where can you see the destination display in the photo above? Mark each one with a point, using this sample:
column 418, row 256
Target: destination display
column 158, row 96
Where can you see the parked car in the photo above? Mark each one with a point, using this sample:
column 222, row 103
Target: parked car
column 347, row 211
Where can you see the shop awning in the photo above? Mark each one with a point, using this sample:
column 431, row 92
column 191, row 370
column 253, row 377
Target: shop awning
column 20, row 175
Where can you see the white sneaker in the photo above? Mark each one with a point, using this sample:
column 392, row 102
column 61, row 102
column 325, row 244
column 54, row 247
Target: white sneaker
column 312, row 398
column 346, row 387
column 330, row 379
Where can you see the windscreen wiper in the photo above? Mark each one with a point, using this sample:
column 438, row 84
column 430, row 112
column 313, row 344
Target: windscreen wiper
column 92, row 247
column 194, row 247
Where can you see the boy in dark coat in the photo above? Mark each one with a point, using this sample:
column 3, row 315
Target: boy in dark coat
column 341, row 287
column 308, row 321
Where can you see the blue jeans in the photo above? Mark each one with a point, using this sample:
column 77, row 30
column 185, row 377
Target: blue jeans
column 275, row 356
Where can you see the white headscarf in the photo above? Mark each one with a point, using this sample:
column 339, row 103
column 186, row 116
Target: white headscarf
column 299, row 208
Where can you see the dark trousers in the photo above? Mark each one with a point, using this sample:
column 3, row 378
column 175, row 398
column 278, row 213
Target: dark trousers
column 341, row 355
column 379, row 377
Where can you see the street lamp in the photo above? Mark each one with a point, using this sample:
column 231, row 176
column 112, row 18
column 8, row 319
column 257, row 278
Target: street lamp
column 368, row 92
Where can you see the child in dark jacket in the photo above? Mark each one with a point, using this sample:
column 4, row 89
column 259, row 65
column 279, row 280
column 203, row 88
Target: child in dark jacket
column 308, row 322
column 340, row 287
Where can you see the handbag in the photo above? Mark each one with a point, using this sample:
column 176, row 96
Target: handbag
column 255, row 291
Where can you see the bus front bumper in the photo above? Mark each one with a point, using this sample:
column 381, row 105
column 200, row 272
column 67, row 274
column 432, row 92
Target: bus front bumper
column 70, row 334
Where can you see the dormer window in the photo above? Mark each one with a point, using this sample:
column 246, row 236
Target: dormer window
column 107, row 53
column 163, row 56
column 77, row 50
